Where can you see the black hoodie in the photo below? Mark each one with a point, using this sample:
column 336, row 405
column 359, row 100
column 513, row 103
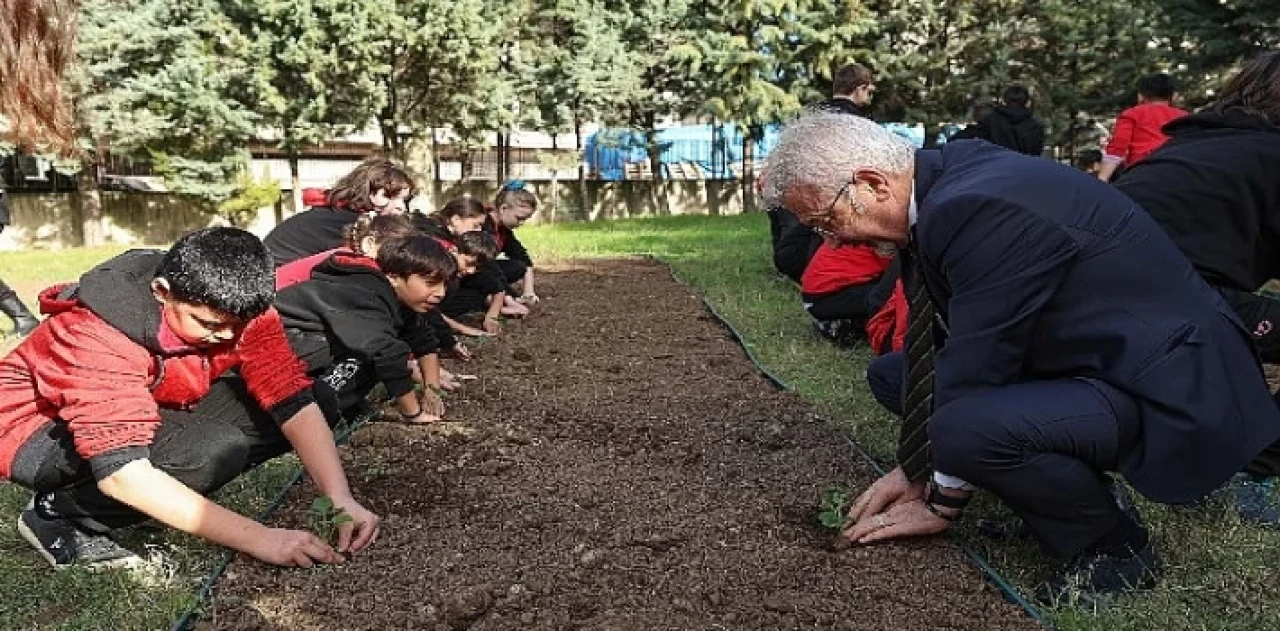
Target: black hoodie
column 1015, row 128
column 349, row 309
column 1215, row 188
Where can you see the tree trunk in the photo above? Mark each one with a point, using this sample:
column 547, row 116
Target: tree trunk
column 585, row 211
column 295, row 182
column 657, row 183
column 437, row 190
column 86, row 216
column 749, row 168
column 501, row 172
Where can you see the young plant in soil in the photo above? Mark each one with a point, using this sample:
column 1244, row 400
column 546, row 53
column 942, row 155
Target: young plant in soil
column 833, row 511
column 834, row 507
column 324, row 519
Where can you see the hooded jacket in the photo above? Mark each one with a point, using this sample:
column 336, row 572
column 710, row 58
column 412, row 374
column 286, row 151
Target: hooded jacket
column 349, row 309
column 507, row 242
column 1215, row 188
column 307, row 233
column 105, row 364
column 1014, row 128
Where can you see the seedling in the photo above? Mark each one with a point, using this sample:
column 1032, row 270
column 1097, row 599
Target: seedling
column 325, row 518
column 834, row 507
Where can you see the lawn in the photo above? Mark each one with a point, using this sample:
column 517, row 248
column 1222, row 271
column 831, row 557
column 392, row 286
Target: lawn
column 1220, row 574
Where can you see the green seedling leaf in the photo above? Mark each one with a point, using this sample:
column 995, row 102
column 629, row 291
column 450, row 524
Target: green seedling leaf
column 834, row 506
column 324, row 518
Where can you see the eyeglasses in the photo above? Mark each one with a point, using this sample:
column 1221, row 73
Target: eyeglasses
column 844, row 190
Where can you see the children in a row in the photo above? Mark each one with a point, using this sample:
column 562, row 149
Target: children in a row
column 123, row 404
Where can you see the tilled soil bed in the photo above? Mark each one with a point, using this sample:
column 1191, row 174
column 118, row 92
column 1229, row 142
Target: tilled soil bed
column 619, row 464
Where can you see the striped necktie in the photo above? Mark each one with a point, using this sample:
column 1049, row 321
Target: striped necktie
column 913, row 443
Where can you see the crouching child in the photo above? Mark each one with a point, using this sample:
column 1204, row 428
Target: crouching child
column 116, row 408
column 359, row 320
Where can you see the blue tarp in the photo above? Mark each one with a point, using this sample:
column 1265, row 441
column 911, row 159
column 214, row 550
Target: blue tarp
column 610, row 150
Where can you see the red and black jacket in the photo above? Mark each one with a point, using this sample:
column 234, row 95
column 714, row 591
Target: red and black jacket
column 104, row 363
column 349, row 309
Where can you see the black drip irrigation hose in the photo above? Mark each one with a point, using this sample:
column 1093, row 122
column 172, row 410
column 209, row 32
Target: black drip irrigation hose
column 192, row 614
column 1010, row 592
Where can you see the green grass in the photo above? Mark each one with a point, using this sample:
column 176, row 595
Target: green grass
column 1221, row 575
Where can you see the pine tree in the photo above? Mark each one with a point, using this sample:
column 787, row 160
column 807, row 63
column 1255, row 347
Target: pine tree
column 316, row 66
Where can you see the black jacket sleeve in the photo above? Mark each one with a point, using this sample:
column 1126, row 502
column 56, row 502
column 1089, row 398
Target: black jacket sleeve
column 515, row 250
column 420, row 335
column 369, row 328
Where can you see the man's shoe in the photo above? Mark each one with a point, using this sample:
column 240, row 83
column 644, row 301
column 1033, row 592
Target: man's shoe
column 1256, row 500
column 63, row 545
column 1093, row 579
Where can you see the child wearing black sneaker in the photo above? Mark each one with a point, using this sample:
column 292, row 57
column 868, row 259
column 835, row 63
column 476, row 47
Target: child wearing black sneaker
column 113, row 411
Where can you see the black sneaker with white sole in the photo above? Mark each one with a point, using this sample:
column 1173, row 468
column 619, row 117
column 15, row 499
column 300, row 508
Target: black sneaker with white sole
column 63, row 545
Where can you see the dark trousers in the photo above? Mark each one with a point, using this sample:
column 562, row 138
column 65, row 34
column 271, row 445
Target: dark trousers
column 223, row 436
column 780, row 221
column 850, row 303
column 471, row 294
column 512, row 270
column 1042, row 447
column 794, row 249
column 1261, row 316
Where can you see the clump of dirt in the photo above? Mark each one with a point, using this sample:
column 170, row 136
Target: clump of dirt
column 640, row 475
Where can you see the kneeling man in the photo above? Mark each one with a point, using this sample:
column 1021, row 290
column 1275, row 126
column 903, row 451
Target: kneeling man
column 1056, row 334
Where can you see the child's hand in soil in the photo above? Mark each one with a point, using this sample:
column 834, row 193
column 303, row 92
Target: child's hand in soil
column 459, row 351
column 432, row 406
column 471, row 331
column 492, row 326
column 293, row 548
column 448, row 381
column 361, row 531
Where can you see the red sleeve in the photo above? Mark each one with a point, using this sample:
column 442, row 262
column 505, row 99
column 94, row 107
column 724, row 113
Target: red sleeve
column 100, row 382
column 269, row 367
column 1121, row 143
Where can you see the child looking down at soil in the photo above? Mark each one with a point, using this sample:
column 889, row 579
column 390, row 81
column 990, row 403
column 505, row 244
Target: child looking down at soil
column 513, row 206
column 110, row 410
column 358, row 320
column 483, row 291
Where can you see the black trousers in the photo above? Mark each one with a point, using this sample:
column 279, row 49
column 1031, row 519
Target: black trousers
column 223, row 436
column 512, row 270
column 1261, row 316
column 794, row 249
column 1042, row 447
column 471, row 295
column 849, row 303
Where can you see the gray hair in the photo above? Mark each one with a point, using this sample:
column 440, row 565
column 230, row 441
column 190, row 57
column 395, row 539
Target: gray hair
column 822, row 148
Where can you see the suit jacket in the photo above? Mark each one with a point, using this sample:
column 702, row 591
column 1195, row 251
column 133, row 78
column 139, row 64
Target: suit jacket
column 1043, row 272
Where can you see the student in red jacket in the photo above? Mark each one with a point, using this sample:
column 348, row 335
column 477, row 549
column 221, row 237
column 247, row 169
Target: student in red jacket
column 837, row 287
column 1138, row 129
column 112, row 410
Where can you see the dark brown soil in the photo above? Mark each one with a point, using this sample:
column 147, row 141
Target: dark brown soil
column 620, row 464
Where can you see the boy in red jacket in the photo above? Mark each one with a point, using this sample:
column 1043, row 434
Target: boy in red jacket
column 113, row 409
column 1138, row 129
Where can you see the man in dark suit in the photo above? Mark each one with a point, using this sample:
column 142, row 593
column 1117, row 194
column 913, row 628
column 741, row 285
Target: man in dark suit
column 1072, row 339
